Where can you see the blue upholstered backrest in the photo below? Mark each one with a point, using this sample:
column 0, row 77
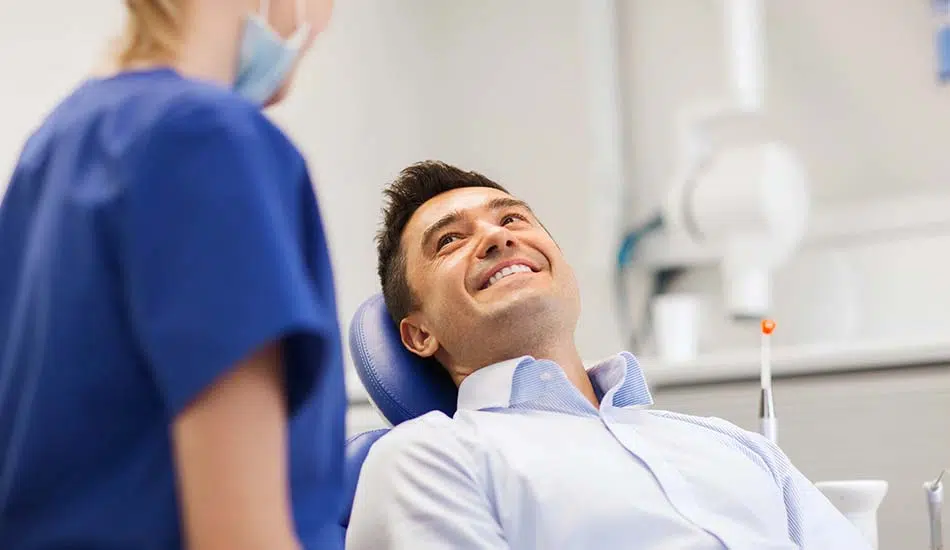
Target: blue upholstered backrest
column 401, row 385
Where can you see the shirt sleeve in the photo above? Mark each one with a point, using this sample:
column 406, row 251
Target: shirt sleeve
column 813, row 521
column 821, row 525
column 212, row 266
column 418, row 490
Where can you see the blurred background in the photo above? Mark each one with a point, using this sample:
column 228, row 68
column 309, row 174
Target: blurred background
column 578, row 107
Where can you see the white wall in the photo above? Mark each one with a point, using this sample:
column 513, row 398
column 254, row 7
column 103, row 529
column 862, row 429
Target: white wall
column 46, row 47
column 498, row 86
column 852, row 86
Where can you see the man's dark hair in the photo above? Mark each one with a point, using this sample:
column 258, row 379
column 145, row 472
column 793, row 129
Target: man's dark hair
column 411, row 189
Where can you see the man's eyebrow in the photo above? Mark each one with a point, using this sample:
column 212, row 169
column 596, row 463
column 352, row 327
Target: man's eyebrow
column 441, row 224
column 500, row 203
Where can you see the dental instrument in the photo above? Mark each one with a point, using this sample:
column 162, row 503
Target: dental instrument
column 934, row 490
column 768, row 424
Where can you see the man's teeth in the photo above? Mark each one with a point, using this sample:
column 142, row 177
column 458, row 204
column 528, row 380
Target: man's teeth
column 506, row 271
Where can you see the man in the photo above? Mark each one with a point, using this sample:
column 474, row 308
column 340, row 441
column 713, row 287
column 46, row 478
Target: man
column 543, row 454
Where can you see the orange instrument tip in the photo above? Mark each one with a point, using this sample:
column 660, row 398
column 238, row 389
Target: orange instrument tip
column 768, row 326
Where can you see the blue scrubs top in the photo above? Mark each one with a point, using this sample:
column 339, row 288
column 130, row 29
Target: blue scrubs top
column 156, row 231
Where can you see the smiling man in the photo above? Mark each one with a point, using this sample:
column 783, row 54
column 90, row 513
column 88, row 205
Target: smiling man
column 543, row 454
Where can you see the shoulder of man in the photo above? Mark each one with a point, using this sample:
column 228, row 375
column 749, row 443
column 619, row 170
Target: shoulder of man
column 752, row 444
column 433, row 431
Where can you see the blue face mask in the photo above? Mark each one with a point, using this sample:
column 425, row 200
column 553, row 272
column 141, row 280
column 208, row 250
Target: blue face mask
column 266, row 59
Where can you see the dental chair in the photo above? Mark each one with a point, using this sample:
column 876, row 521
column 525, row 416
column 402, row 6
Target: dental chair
column 401, row 386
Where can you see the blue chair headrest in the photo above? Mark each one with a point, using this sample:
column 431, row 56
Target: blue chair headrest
column 401, row 384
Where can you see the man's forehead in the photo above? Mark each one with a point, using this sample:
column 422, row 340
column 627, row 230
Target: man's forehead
column 454, row 201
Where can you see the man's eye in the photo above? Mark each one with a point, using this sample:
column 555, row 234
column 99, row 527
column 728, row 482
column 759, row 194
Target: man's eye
column 512, row 217
column 445, row 240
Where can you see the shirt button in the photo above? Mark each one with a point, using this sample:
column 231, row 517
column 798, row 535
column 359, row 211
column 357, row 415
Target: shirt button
column 545, row 376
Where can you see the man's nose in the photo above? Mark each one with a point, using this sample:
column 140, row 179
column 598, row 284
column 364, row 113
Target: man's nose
column 494, row 239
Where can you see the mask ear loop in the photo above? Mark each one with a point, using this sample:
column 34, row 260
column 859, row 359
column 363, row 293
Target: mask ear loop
column 265, row 10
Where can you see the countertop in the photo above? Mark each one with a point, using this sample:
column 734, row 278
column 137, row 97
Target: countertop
column 796, row 361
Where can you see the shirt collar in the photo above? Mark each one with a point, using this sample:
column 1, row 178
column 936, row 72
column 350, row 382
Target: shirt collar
column 619, row 379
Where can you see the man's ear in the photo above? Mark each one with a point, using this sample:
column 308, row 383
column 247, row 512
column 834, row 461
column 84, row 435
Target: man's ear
column 416, row 338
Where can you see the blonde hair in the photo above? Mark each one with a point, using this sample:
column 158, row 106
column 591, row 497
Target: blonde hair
column 152, row 31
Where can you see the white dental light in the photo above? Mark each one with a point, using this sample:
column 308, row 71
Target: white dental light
column 747, row 203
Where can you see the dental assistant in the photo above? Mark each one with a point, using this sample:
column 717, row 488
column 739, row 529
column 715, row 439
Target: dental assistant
column 170, row 361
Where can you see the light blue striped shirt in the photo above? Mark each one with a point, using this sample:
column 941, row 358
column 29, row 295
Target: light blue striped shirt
column 528, row 463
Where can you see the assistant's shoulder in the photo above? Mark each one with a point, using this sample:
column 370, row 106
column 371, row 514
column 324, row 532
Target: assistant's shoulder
column 199, row 108
column 197, row 124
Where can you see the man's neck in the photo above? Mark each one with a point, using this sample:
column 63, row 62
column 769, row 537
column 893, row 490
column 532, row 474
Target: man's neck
column 573, row 366
column 565, row 354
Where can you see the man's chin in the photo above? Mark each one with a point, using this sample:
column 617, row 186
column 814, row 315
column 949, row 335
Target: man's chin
column 520, row 304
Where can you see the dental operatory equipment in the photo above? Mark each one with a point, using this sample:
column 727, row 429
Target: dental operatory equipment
column 934, row 491
column 741, row 204
column 635, row 329
column 749, row 204
column 746, row 201
column 768, row 424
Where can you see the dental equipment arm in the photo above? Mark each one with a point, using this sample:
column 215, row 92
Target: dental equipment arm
column 746, row 203
column 749, row 205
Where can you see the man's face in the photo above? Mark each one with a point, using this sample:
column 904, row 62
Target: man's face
column 484, row 273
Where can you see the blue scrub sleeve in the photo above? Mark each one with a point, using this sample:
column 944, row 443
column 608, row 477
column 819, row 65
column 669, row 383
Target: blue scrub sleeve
column 212, row 262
